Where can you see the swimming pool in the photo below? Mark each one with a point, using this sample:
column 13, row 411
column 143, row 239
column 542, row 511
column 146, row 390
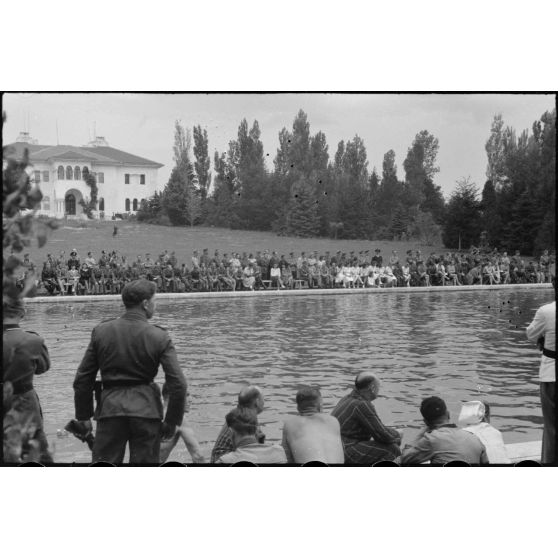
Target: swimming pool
column 460, row 345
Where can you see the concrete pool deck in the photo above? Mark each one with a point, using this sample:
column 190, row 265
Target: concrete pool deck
column 299, row 292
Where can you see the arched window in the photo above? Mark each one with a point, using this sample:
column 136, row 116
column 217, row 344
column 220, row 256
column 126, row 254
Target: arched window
column 127, row 204
column 69, row 173
column 70, row 203
column 60, row 172
column 102, row 204
column 135, row 205
column 77, row 173
column 85, row 172
column 46, row 203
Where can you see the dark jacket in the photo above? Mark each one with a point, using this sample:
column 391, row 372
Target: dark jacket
column 129, row 349
column 24, row 354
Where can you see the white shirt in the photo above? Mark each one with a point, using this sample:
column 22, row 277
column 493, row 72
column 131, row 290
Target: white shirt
column 492, row 440
column 544, row 323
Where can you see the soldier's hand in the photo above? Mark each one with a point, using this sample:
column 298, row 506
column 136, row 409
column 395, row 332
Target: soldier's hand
column 167, row 431
column 86, row 426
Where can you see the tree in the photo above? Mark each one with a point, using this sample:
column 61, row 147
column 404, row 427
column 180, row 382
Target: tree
column 20, row 225
column 426, row 229
column 462, row 226
column 496, row 168
column 181, row 196
column 420, row 169
column 433, row 201
column 151, row 209
column 203, row 163
column 91, row 204
column 302, row 218
column 182, row 143
column 491, row 220
column 389, row 193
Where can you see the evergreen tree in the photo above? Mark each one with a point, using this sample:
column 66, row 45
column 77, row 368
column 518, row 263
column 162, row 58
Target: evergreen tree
column 389, row 194
column 302, row 217
column 491, row 221
column 254, row 207
column 426, row 229
column 462, row 226
column 352, row 192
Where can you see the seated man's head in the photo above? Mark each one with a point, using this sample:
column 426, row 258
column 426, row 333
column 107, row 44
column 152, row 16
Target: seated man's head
column 368, row 384
column 251, row 397
column 243, row 422
column 434, row 411
column 308, row 399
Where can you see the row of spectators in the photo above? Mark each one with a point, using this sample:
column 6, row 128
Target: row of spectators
column 264, row 270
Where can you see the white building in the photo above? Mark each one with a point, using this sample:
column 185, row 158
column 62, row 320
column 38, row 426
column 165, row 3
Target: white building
column 123, row 179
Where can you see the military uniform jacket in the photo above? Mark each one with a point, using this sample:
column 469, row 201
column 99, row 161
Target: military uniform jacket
column 130, row 349
column 24, row 354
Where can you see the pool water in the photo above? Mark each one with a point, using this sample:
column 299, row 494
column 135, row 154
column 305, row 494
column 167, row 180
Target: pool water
column 458, row 345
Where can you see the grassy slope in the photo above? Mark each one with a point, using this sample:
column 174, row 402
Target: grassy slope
column 137, row 238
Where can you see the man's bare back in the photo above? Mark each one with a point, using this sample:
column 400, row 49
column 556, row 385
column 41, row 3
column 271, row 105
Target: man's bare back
column 313, row 437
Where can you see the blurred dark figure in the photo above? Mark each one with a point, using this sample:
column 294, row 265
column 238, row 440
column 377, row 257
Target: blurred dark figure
column 24, row 354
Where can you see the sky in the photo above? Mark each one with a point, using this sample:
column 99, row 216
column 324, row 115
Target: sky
column 143, row 124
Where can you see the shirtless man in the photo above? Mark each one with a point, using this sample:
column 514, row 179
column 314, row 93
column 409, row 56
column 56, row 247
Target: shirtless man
column 183, row 432
column 312, row 435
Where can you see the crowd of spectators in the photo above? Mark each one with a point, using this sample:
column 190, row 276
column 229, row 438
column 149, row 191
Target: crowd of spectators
column 110, row 271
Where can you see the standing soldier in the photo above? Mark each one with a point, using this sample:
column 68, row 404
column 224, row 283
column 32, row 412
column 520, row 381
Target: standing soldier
column 128, row 351
column 543, row 330
column 24, row 354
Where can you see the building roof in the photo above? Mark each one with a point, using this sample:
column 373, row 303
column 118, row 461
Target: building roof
column 102, row 155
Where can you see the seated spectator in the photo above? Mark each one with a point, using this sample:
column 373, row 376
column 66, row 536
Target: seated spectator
column 50, row 279
column 184, row 433
column 348, row 277
column 422, row 274
column 406, row 274
column 248, row 279
column 475, row 417
column 366, row 440
column 312, row 435
column 474, row 276
column 287, row 276
column 243, row 424
column 373, row 279
column 275, row 275
column 313, row 274
column 451, row 271
column 388, row 278
column 250, row 397
column 440, row 441
column 72, row 280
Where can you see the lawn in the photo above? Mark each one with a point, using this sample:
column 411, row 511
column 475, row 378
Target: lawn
column 135, row 238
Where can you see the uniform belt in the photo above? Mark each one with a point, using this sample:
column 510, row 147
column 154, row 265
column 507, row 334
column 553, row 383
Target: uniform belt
column 109, row 384
column 550, row 354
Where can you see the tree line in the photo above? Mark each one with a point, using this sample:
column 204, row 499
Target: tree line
column 310, row 194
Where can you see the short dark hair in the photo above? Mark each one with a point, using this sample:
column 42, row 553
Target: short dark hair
column 243, row 421
column 248, row 396
column 433, row 408
column 363, row 381
column 307, row 397
column 136, row 292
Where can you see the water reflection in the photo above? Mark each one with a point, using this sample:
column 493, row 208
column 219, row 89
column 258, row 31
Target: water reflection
column 459, row 345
